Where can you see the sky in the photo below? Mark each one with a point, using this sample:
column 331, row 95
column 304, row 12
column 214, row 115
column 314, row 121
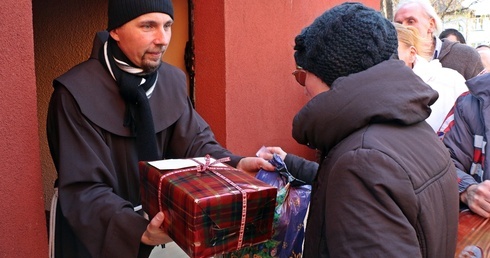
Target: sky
column 482, row 7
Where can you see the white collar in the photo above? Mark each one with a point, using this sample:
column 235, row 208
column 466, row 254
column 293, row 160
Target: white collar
column 437, row 48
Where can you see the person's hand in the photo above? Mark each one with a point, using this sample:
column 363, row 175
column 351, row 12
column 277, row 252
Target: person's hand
column 267, row 153
column 477, row 197
column 252, row 165
column 153, row 234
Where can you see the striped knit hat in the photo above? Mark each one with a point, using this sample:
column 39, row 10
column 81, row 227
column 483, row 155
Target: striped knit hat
column 347, row 39
column 122, row 11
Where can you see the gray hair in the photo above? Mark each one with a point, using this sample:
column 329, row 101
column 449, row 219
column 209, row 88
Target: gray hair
column 429, row 10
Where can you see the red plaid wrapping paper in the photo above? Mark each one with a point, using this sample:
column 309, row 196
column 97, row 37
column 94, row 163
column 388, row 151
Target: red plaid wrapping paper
column 203, row 210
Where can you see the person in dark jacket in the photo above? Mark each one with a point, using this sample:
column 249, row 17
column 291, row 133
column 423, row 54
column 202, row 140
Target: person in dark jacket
column 385, row 184
column 121, row 106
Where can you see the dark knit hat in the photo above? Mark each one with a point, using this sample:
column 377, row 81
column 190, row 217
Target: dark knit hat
column 122, row 11
column 346, row 39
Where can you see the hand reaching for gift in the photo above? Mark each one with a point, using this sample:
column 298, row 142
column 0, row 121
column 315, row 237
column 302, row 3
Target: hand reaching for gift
column 252, row 165
column 268, row 152
column 153, row 234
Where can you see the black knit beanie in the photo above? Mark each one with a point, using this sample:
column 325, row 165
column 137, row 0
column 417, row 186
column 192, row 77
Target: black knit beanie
column 122, row 11
column 346, row 39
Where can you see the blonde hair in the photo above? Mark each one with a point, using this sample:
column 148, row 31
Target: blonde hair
column 409, row 36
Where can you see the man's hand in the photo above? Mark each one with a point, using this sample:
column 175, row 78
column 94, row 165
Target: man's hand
column 477, row 197
column 252, row 165
column 153, row 234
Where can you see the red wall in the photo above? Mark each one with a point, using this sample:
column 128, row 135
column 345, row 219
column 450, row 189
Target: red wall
column 244, row 59
column 22, row 222
column 244, row 89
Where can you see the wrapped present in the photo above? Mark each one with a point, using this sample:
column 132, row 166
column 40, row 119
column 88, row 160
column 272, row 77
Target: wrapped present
column 210, row 208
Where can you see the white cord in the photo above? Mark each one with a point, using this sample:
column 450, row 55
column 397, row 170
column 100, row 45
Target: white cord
column 52, row 223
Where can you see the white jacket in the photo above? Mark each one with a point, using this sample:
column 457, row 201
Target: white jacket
column 446, row 81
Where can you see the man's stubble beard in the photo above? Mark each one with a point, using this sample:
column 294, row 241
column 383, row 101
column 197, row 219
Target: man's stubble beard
column 150, row 67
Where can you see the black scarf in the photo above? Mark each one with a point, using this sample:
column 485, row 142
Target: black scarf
column 138, row 115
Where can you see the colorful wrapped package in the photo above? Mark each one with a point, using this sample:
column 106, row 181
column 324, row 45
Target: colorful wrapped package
column 210, row 208
column 293, row 198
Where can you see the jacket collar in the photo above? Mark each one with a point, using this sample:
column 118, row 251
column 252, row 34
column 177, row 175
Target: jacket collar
column 387, row 93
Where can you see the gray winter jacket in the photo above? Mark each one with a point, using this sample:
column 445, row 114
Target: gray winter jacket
column 386, row 186
column 466, row 130
column 461, row 58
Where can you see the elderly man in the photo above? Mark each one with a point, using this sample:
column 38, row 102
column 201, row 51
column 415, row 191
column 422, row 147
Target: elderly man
column 454, row 55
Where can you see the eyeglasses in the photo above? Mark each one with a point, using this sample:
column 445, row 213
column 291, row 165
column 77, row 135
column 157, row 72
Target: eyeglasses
column 300, row 76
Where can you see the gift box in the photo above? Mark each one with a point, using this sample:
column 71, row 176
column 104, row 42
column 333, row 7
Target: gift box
column 210, row 208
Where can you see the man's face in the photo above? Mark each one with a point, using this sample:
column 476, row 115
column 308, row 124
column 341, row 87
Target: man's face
column 452, row 38
column 144, row 39
column 413, row 14
column 485, row 57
